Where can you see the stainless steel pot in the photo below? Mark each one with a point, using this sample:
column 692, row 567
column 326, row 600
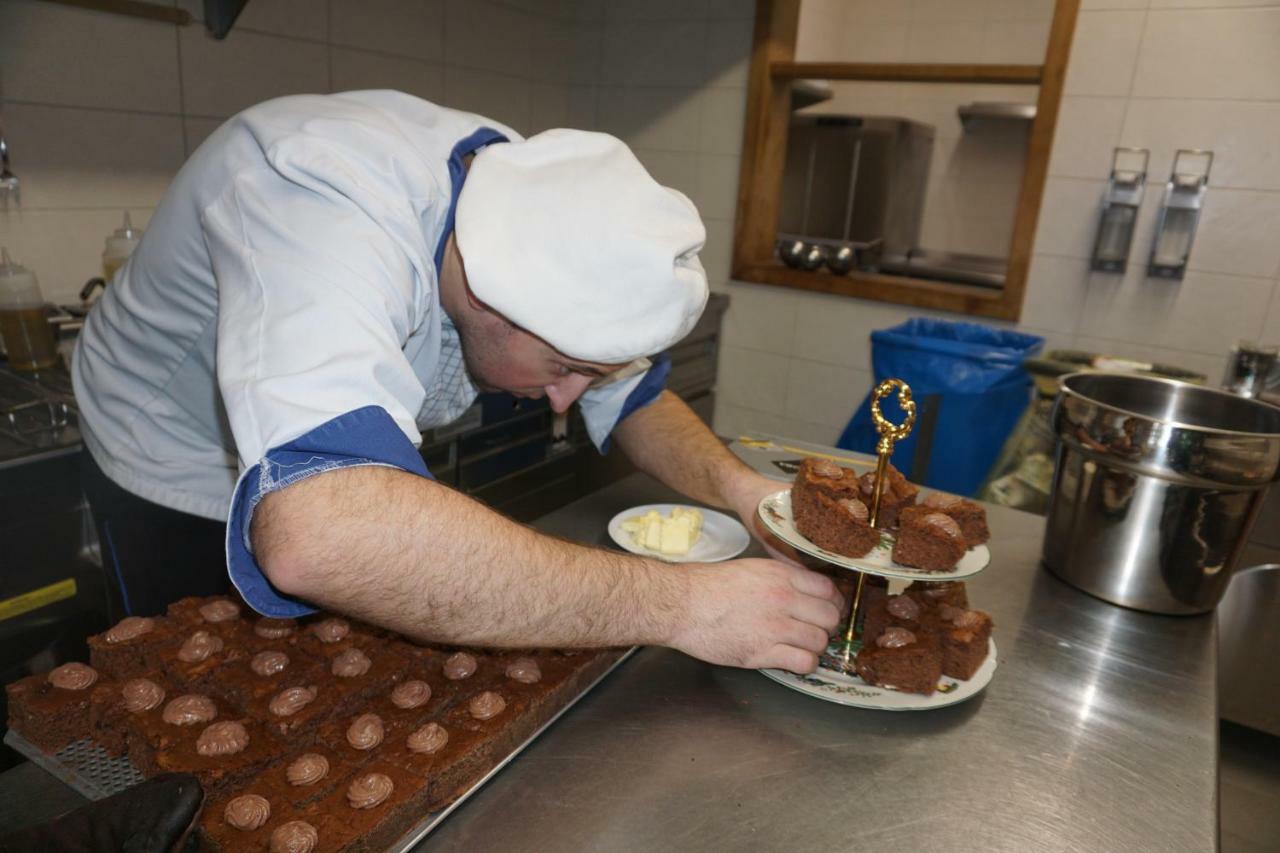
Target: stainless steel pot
column 1156, row 485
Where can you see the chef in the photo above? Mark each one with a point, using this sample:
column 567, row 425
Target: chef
column 329, row 275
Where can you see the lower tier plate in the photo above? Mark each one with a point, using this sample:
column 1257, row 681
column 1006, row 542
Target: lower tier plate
column 833, row 685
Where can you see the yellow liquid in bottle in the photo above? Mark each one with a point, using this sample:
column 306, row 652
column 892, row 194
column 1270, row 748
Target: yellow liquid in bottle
column 28, row 338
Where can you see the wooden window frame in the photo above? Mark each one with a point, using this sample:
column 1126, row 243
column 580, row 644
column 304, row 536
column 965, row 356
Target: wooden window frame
column 773, row 67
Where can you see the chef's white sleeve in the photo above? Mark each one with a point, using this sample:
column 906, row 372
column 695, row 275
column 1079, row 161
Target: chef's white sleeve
column 608, row 405
column 315, row 302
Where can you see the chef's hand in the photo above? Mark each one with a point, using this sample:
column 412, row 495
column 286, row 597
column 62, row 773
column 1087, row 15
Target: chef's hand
column 746, row 493
column 758, row 614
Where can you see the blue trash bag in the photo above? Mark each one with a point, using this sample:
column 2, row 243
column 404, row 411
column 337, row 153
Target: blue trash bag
column 969, row 387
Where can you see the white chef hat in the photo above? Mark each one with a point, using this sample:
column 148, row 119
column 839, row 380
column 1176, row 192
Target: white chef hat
column 566, row 235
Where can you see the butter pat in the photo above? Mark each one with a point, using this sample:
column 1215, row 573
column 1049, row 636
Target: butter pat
column 672, row 536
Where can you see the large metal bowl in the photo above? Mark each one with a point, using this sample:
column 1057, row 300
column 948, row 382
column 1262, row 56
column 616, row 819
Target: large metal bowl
column 1156, row 485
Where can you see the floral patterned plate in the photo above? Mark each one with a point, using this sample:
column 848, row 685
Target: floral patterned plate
column 832, row 685
column 775, row 512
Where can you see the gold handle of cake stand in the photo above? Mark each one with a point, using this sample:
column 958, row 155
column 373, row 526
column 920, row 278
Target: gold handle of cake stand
column 890, row 433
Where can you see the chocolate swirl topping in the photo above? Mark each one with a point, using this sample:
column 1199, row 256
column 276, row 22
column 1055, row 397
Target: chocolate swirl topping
column 903, row 607
column 365, row 731
column 73, row 676
column 411, row 694
column 460, row 666
column 939, row 500
column 219, row 611
column 269, row 663
column 296, row 836
column 430, row 738
column 274, row 629
column 827, row 468
column 129, row 628
column 524, row 670
column 199, row 646
column 291, row 700
column 141, row 694
column 943, row 523
column 351, row 663
column 189, row 709
column 307, row 769
column 856, row 508
column 967, row 619
column 247, row 812
column 940, row 589
column 225, row 738
column 895, row 638
column 486, row 705
column 331, row 630
column 369, row 790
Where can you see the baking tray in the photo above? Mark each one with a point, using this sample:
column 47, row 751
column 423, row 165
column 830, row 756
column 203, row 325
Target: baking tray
column 91, row 771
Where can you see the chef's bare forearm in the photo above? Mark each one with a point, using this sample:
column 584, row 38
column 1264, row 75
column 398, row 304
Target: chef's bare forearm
column 667, row 441
column 417, row 557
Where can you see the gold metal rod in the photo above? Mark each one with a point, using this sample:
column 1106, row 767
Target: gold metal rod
column 853, row 619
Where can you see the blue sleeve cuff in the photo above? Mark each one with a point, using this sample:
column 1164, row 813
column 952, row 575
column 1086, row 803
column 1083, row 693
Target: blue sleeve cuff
column 649, row 389
column 365, row 436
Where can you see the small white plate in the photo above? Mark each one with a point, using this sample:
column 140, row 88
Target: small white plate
column 722, row 537
column 833, row 685
column 775, row 512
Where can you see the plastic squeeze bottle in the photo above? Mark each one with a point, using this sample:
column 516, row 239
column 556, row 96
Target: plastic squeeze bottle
column 119, row 247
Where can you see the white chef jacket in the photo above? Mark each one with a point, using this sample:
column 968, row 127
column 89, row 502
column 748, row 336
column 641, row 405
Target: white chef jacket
column 281, row 315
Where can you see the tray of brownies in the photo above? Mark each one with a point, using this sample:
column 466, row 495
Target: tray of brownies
column 314, row 734
column 910, row 646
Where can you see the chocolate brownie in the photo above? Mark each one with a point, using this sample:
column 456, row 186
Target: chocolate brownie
column 934, row 593
column 897, row 493
column 971, row 517
column 194, row 658
column 369, row 809
column 928, row 540
column 221, row 754
column 130, row 647
column 902, row 611
column 306, row 775
column 259, row 673
column 827, row 511
column 303, row 697
column 244, row 818
column 114, row 702
column 51, row 709
column 900, row 660
column 359, row 667
column 964, row 637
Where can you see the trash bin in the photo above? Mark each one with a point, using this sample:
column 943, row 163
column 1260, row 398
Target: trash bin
column 969, row 387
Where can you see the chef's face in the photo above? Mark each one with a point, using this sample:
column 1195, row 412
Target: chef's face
column 501, row 356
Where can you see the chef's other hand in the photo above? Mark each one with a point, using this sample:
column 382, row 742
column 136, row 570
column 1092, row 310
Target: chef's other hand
column 759, row 614
column 155, row 816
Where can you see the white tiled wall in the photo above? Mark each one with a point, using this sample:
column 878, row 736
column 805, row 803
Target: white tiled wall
column 101, row 110
column 1159, row 74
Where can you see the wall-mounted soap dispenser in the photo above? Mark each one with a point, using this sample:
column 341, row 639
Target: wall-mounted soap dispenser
column 1180, row 213
column 1120, row 209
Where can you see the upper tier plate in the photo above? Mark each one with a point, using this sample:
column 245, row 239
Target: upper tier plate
column 775, row 512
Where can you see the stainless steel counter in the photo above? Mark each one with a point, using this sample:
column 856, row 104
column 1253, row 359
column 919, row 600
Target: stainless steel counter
column 1098, row 733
